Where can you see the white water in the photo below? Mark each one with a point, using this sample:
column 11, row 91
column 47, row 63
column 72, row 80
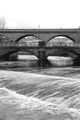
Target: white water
column 27, row 96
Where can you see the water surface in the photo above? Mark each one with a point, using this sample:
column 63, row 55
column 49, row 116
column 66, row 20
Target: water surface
column 30, row 93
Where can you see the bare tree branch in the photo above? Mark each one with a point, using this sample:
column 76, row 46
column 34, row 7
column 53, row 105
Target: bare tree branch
column 2, row 23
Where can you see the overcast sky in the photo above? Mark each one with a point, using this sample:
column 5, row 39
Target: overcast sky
column 41, row 13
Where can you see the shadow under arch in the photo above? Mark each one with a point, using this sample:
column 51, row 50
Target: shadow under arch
column 75, row 56
column 63, row 51
column 27, row 51
column 18, row 39
column 8, row 54
column 66, row 36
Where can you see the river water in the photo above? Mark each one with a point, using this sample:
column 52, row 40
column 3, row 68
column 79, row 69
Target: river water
column 31, row 93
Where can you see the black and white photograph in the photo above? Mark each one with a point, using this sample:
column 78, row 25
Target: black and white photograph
column 39, row 59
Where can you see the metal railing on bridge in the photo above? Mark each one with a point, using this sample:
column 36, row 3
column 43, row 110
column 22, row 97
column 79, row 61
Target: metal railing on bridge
column 18, row 45
column 64, row 44
column 13, row 44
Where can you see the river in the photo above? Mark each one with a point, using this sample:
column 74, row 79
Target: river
column 32, row 93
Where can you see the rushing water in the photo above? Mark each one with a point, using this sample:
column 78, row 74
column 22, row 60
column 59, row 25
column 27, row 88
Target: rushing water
column 39, row 94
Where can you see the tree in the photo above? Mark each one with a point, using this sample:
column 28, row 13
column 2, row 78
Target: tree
column 2, row 26
column 2, row 23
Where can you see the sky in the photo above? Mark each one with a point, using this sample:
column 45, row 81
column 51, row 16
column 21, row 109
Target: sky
column 41, row 13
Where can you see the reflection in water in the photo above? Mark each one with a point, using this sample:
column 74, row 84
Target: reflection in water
column 27, row 57
column 60, row 61
column 30, row 61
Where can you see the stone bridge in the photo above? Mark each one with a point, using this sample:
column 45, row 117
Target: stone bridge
column 45, row 35
column 42, row 34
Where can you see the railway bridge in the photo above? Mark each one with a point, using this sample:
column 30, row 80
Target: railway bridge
column 9, row 42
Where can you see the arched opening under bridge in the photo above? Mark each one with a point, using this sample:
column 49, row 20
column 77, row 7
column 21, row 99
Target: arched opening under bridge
column 22, row 59
column 28, row 40
column 61, row 40
column 27, row 55
column 62, row 57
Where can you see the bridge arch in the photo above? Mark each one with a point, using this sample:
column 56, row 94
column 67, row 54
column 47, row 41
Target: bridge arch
column 29, row 35
column 61, row 51
column 66, row 36
column 22, row 40
column 74, row 55
column 15, row 51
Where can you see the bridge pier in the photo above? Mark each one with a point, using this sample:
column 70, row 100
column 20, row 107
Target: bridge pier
column 76, row 61
column 42, row 62
column 13, row 57
column 42, row 58
column 41, row 55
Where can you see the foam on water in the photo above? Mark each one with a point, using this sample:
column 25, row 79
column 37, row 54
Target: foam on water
column 15, row 106
column 26, row 96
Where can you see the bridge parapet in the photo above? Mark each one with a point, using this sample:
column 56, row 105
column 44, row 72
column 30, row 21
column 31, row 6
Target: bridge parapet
column 43, row 34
